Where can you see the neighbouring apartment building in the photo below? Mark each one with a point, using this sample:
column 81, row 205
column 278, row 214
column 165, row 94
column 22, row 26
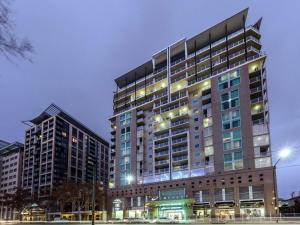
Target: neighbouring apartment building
column 11, row 156
column 190, row 130
column 59, row 147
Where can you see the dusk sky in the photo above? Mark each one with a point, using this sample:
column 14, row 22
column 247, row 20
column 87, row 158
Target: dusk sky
column 82, row 46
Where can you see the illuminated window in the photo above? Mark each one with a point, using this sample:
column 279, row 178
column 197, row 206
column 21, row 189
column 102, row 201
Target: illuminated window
column 125, row 118
column 230, row 100
column 208, row 150
column 232, row 140
column 231, row 119
column 207, row 122
column 263, row 162
column 229, row 80
column 125, row 134
column 233, row 161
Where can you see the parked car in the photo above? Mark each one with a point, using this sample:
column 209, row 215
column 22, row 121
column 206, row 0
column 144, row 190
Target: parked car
column 115, row 221
column 164, row 220
column 135, row 220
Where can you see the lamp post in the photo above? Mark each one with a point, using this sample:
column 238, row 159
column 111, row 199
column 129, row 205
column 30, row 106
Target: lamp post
column 93, row 196
column 284, row 153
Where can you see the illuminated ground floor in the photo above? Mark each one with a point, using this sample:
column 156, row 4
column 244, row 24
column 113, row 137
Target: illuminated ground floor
column 247, row 196
column 76, row 215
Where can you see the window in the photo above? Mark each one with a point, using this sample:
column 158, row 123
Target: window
column 125, row 148
column 230, row 100
column 261, row 140
column 209, row 150
column 263, row 162
column 229, row 80
column 208, row 141
column 233, row 161
column 232, row 140
column 207, row 122
column 125, row 134
column 231, row 119
column 125, row 118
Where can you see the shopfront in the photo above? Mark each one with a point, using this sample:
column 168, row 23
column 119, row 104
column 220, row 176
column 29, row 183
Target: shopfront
column 117, row 209
column 252, row 208
column 224, row 210
column 202, row 211
column 181, row 209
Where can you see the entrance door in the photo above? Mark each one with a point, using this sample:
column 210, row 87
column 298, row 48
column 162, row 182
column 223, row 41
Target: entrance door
column 175, row 215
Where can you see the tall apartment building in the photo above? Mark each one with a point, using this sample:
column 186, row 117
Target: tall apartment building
column 58, row 147
column 190, row 130
column 11, row 158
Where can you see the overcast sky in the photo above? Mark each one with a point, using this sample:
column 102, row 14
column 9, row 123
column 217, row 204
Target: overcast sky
column 81, row 46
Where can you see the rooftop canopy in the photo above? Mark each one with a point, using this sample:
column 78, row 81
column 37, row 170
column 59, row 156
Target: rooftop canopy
column 229, row 25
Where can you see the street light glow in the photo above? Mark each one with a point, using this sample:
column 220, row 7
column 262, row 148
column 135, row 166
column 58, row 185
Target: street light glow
column 284, row 153
column 129, row 178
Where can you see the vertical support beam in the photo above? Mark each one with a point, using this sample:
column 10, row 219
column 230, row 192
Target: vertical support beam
column 195, row 59
column 125, row 104
column 145, row 82
column 134, row 88
column 245, row 40
column 226, row 36
column 210, row 58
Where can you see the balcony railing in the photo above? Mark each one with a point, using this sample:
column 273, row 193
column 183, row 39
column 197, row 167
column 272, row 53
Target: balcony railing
column 255, row 90
column 255, row 100
column 180, row 158
column 173, row 124
column 177, row 61
column 179, row 131
column 179, row 140
column 161, row 162
column 163, row 153
column 181, row 149
column 161, row 145
column 161, row 136
column 160, row 70
column 255, row 79
column 178, row 70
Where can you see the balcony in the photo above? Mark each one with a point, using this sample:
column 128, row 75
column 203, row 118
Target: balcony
column 162, row 136
column 180, row 123
column 260, row 129
column 140, row 121
column 180, row 150
column 160, row 70
column 181, row 131
column 162, row 154
column 257, row 110
column 177, row 61
column 258, row 121
column 140, row 114
column 256, row 100
column 177, row 71
column 180, row 168
column 255, row 79
column 162, row 171
column 179, row 141
column 162, row 162
column 179, row 159
column 161, row 146
column 255, row 90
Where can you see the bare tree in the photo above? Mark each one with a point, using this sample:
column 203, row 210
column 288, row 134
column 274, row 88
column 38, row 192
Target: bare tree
column 18, row 200
column 10, row 45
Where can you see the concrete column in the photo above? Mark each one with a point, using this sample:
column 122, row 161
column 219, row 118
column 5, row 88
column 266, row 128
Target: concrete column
column 237, row 205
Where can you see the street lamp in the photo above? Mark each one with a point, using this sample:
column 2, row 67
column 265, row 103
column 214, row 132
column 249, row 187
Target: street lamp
column 282, row 154
column 129, row 179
